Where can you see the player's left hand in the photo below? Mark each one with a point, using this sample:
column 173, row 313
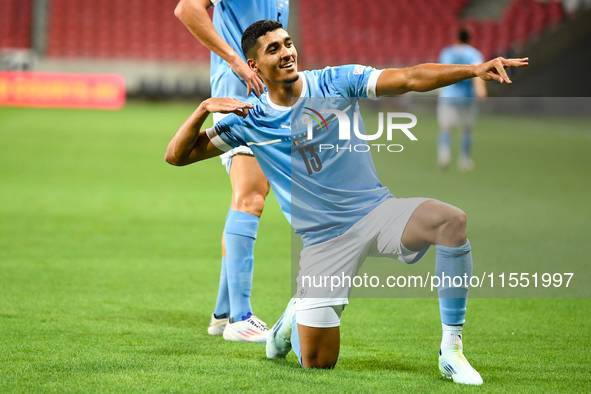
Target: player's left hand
column 495, row 69
column 226, row 105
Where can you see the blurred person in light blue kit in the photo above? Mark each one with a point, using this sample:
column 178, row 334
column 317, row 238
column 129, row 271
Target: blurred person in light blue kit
column 457, row 106
column 231, row 77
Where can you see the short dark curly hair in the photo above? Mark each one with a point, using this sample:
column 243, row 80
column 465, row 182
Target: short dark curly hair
column 464, row 35
column 252, row 34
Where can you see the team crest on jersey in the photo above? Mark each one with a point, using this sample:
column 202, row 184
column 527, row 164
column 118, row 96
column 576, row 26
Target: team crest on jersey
column 299, row 139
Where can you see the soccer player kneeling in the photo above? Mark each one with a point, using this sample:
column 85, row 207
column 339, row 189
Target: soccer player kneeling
column 334, row 229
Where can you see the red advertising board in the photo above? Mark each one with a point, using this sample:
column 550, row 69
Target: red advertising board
column 62, row 90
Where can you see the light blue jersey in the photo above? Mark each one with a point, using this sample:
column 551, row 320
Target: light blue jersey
column 460, row 54
column 322, row 192
column 230, row 19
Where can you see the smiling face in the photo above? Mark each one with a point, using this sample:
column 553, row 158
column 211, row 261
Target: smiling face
column 276, row 58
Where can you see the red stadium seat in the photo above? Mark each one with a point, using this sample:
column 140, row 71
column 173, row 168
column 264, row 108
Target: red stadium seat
column 15, row 24
column 397, row 32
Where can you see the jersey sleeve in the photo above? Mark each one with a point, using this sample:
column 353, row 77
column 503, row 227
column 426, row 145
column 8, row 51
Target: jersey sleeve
column 226, row 134
column 353, row 80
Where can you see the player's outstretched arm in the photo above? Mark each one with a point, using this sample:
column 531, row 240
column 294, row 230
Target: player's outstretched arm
column 193, row 14
column 191, row 144
column 425, row 77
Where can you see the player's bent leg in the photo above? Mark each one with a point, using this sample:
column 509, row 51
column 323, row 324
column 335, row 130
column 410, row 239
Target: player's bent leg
column 313, row 333
column 453, row 267
column 319, row 346
column 319, row 336
column 434, row 222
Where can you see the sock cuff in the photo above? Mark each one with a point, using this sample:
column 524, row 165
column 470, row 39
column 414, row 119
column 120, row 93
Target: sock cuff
column 242, row 223
column 454, row 252
column 455, row 330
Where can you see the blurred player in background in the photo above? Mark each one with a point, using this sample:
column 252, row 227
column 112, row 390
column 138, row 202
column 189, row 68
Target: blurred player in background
column 230, row 76
column 457, row 106
column 337, row 232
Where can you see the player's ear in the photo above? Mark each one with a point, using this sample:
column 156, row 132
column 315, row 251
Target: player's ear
column 252, row 63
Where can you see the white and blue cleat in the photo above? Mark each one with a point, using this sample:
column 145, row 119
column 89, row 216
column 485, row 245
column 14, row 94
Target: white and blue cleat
column 252, row 330
column 453, row 365
column 217, row 326
column 279, row 339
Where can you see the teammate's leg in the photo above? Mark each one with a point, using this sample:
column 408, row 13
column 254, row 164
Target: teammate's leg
column 465, row 162
column 468, row 116
column 249, row 190
column 446, row 117
column 444, row 148
column 221, row 312
column 434, row 222
column 222, row 305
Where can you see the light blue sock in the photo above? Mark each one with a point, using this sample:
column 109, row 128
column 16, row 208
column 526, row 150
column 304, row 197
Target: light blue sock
column 444, row 139
column 451, row 262
column 295, row 339
column 222, row 305
column 466, row 144
column 239, row 236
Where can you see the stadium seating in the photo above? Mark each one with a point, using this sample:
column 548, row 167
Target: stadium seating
column 394, row 33
column 116, row 29
column 403, row 32
column 15, row 23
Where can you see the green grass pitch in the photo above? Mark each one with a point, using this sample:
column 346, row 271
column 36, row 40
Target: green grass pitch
column 109, row 263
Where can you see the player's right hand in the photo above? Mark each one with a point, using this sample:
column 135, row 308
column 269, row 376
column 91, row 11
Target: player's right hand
column 226, row 105
column 494, row 70
column 250, row 77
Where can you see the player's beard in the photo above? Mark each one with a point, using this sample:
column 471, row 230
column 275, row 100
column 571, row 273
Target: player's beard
column 293, row 79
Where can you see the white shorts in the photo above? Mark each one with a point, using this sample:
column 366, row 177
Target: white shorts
column 378, row 234
column 227, row 156
column 323, row 317
column 450, row 116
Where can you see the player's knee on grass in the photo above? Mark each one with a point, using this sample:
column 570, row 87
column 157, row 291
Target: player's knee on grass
column 319, row 335
column 319, row 346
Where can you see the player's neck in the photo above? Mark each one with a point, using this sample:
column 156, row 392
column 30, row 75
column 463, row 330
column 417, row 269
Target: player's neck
column 281, row 93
